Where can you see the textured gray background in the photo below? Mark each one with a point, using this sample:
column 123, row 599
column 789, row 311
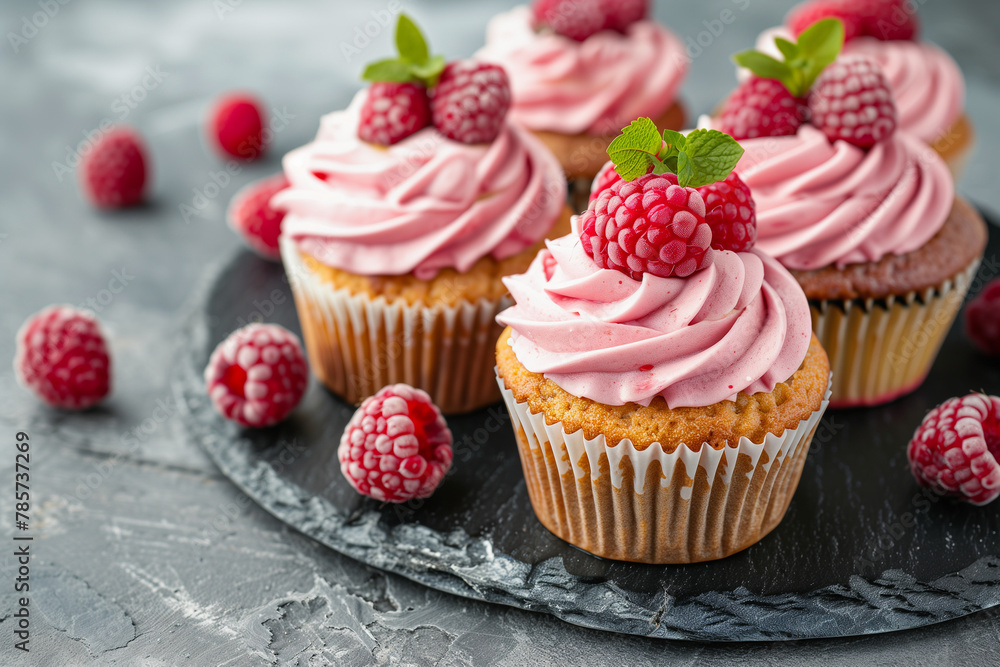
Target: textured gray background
column 144, row 554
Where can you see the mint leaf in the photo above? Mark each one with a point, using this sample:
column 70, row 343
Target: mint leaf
column 766, row 67
column 710, row 156
column 788, row 49
column 674, row 138
column 391, row 70
column 429, row 71
column 819, row 44
column 410, row 42
column 803, row 60
column 635, row 149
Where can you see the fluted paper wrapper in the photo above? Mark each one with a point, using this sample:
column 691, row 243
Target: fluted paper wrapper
column 650, row 506
column 357, row 345
column 881, row 349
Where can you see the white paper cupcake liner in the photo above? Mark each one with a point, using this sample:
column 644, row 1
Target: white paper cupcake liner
column 881, row 349
column 651, row 506
column 356, row 345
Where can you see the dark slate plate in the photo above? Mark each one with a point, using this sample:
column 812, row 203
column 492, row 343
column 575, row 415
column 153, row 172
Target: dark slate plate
column 862, row 549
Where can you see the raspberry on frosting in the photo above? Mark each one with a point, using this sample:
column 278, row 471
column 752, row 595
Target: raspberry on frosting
column 470, row 101
column 397, row 446
column 731, row 213
column 761, row 108
column 887, row 20
column 580, row 19
column 851, row 100
column 393, row 111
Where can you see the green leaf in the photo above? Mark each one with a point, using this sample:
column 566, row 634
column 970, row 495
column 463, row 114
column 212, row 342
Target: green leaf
column 788, row 49
column 429, row 71
column 765, row 66
column 711, row 154
column 635, row 148
column 820, row 43
column 675, row 139
column 391, row 69
column 410, row 42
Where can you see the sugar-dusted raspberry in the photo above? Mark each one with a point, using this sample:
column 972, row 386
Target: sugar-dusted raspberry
column 575, row 19
column 393, row 111
column 113, row 171
column 649, row 225
column 891, row 20
column 956, row 449
column 851, row 100
column 982, row 319
column 236, row 126
column 620, row 14
column 397, row 446
column 852, row 14
column 605, row 177
column 470, row 101
column 252, row 216
column 761, row 108
column 257, row 375
column 62, row 357
column 731, row 213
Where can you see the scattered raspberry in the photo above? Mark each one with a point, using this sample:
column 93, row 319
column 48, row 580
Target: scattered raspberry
column 393, row 111
column 620, row 14
column 731, row 213
column 605, row 177
column 62, row 358
column 851, row 100
column 982, row 319
column 251, row 215
column 761, row 108
column 575, row 19
column 649, row 225
column 852, row 14
column 257, row 375
column 470, row 101
column 237, row 126
column 956, row 448
column 397, row 446
column 113, row 173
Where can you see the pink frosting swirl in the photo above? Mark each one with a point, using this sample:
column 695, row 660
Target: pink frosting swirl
column 596, row 86
column 420, row 205
column 927, row 84
column 740, row 324
column 821, row 203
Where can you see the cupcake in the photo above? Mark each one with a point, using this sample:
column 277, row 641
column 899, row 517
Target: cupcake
column 663, row 388
column 402, row 216
column 865, row 216
column 581, row 70
column 926, row 82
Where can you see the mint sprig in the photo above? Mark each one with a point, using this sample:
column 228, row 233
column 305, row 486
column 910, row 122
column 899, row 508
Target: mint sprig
column 700, row 158
column 804, row 59
column 414, row 63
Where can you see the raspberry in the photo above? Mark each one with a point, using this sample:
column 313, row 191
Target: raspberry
column 470, row 101
column 237, row 126
column 731, row 214
column 251, row 215
column 956, row 448
column 393, row 111
column 62, row 358
column 649, row 225
column 761, row 108
column 113, row 173
column 891, row 20
column 620, row 14
column 397, row 446
column 852, row 14
column 982, row 319
column 575, row 19
column 604, row 179
column 257, row 375
column 851, row 100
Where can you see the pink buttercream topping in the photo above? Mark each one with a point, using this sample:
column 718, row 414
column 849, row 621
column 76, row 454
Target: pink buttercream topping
column 596, row 86
column 420, row 205
column 822, row 203
column 740, row 324
column 927, row 84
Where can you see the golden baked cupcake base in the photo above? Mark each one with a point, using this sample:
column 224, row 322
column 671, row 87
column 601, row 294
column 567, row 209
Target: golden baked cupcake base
column 955, row 146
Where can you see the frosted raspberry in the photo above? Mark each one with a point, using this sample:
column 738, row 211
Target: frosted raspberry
column 236, row 126
column 113, row 172
column 891, row 20
column 620, row 14
column 575, row 19
column 851, row 100
column 470, row 101
column 257, row 375
column 251, row 215
column 955, row 450
column 649, row 225
column 393, row 111
column 605, row 177
column 63, row 359
column 731, row 213
column 397, row 446
column 761, row 108
column 852, row 14
column 982, row 319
